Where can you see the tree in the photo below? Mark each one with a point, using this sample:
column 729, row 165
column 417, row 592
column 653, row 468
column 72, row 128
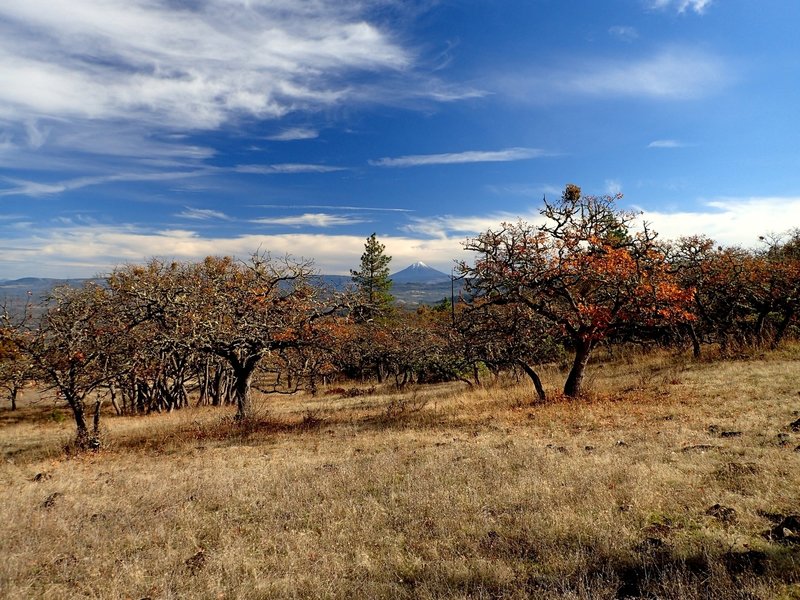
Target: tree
column 15, row 364
column 240, row 312
column 372, row 281
column 504, row 336
column 76, row 346
column 584, row 271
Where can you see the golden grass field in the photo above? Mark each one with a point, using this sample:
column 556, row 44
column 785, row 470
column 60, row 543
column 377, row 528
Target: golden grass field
column 477, row 494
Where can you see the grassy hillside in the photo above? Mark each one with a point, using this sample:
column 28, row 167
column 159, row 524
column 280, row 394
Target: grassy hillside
column 662, row 483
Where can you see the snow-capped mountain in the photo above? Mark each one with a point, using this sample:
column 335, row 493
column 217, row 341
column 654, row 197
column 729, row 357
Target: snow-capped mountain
column 419, row 272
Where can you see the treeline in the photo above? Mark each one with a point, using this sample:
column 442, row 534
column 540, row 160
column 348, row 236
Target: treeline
column 164, row 336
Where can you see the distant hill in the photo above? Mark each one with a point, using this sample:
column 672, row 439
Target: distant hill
column 419, row 272
column 416, row 284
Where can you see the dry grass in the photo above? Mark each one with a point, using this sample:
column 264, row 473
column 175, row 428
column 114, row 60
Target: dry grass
column 435, row 493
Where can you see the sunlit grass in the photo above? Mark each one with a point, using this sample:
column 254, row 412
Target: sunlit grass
column 454, row 492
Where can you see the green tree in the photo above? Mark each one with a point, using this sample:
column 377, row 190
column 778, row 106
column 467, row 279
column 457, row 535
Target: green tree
column 372, row 282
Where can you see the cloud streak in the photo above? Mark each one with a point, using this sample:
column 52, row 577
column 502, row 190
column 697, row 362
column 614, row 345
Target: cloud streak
column 454, row 158
column 310, row 220
column 675, row 73
column 35, row 189
column 698, row 6
column 666, row 144
column 295, row 133
column 288, row 168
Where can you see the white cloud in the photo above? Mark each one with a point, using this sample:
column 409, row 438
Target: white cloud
column 191, row 65
column 294, row 133
column 666, row 144
column 729, row 221
column 338, row 207
column 310, row 220
column 671, row 74
column 87, row 251
column 698, row 6
column 32, row 188
column 288, row 168
column 203, row 214
column 624, row 32
column 471, row 156
column 447, row 226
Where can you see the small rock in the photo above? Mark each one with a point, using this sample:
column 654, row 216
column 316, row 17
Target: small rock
column 51, row 499
column 730, row 434
column 621, row 444
column 724, row 514
column 698, row 448
column 786, row 532
column 588, row 448
column 560, row 449
column 795, row 426
column 195, row 562
column 41, row 477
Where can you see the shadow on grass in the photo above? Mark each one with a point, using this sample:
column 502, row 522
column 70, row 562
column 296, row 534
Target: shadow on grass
column 648, row 571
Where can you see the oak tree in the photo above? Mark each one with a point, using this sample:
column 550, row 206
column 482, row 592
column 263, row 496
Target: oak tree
column 585, row 270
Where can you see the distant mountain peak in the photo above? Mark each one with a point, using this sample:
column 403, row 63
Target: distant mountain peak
column 419, row 272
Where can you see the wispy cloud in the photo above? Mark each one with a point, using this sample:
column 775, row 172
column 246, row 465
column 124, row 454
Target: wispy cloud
column 698, row 6
column 310, row 220
column 470, row 156
column 288, row 168
column 193, row 65
column 21, row 187
column 447, row 226
column 295, row 133
column 666, row 144
column 623, row 32
column 121, row 77
column 527, row 190
column 613, row 187
column 203, row 214
column 671, row 74
column 337, row 207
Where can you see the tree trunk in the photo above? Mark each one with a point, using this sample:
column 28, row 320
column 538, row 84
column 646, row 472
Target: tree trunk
column 695, row 340
column 572, row 388
column 13, row 396
column 94, row 442
column 242, row 378
column 113, row 393
column 782, row 327
column 537, row 383
column 79, row 413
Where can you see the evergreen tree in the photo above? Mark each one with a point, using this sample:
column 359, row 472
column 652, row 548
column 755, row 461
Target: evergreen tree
column 373, row 282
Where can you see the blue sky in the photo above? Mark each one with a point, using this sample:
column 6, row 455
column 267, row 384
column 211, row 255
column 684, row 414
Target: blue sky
column 182, row 128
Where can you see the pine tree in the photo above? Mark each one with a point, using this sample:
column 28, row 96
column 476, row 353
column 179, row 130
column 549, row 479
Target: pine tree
column 372, row 281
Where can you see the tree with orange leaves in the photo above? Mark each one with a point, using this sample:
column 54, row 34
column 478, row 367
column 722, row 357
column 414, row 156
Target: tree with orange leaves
column 238, row 311
column 584, row 270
